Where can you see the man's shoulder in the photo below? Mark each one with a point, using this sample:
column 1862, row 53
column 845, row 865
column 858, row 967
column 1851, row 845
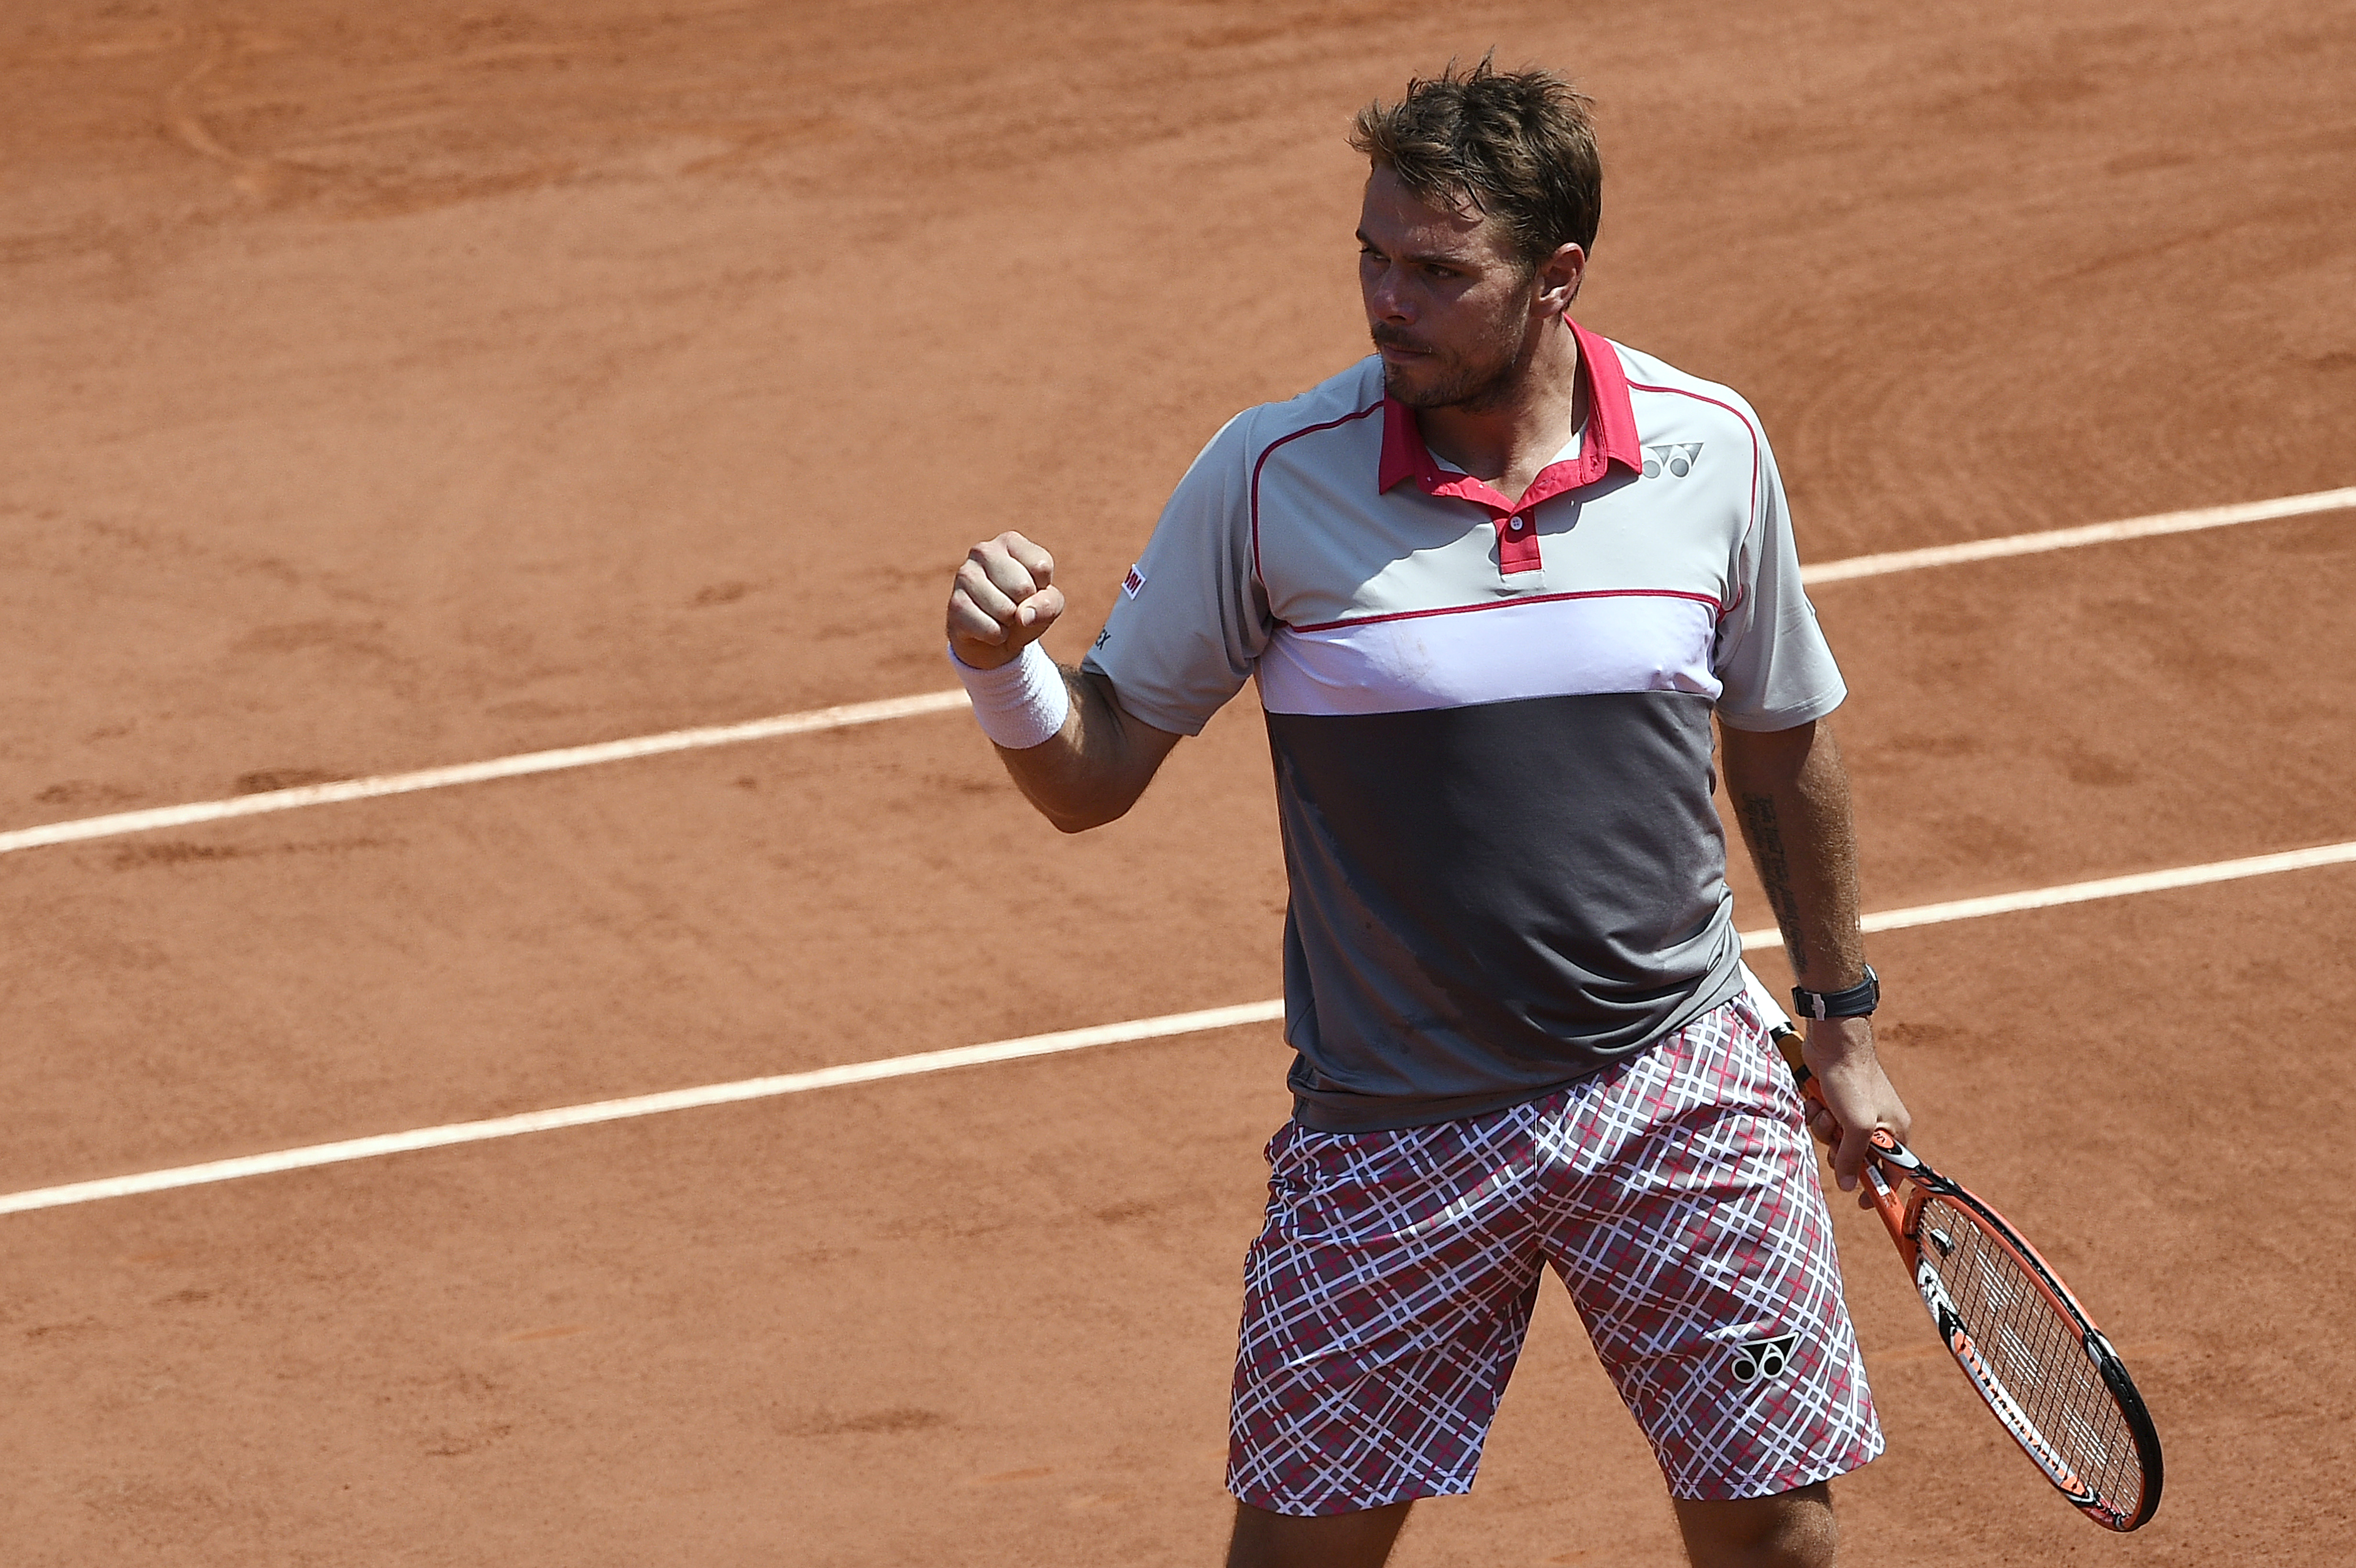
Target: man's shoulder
column 1650, row 377
column 1353, row 394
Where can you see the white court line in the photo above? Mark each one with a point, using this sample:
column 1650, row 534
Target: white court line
column 256, row 805
column 2071, row 538
column 477, row 773
column 1038, row 1045
column 641, row 1105
column 2081, row 892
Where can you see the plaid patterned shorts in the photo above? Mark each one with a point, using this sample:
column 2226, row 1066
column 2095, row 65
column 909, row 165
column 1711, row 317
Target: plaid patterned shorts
column 1677, row 1195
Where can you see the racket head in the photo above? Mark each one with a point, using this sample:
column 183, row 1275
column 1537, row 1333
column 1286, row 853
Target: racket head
column 2104, row 1452
column 2028, row 1348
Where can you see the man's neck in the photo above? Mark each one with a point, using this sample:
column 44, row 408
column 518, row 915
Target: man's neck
column 1505, row 444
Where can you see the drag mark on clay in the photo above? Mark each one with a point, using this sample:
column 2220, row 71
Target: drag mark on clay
column 874, row 1422
column 265, row 780
column 252, row 175
column 1004, row 1477
column 561, row 1331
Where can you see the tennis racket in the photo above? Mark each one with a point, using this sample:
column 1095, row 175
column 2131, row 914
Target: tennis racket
column 2021, row 1337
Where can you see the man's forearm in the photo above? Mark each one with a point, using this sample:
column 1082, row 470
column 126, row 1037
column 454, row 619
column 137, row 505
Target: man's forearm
column 1092, row 770
column 1790, row 796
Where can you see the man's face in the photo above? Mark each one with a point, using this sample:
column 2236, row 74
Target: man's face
column 1448, row 301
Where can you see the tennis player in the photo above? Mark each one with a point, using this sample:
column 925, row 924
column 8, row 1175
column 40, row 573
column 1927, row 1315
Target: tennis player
column 1494, row 583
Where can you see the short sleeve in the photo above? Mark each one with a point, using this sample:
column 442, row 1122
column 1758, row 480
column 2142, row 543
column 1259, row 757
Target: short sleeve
column 1770, row 655
column 1191, row 619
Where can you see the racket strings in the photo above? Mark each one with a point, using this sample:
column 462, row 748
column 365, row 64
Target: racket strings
column 2036, row 1351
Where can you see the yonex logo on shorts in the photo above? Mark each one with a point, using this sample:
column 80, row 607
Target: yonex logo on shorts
column 1763, row 1358
column 1132, row 582
column 1677, row 459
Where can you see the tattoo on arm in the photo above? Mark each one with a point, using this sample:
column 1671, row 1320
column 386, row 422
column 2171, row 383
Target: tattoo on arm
column 1766, row 836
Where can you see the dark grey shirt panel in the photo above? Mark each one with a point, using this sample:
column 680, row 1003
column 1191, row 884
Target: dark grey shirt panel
column 1491, row 901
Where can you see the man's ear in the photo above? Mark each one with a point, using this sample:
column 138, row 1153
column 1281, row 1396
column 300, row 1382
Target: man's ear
column 1558, row 278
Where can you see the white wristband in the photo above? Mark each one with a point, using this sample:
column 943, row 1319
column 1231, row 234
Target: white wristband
column 1022, row 703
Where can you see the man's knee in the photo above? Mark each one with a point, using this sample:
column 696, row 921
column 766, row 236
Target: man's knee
column 1265, row 1540
column 1792, row 1530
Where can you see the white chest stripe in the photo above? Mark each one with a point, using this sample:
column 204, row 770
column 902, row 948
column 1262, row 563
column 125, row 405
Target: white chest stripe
column 1539, row 648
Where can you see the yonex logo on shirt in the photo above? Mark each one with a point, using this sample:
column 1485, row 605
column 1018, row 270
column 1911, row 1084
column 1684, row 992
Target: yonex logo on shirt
column 1677, row 459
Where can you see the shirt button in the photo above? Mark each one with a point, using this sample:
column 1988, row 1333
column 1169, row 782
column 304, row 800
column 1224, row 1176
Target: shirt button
column 1517, row 525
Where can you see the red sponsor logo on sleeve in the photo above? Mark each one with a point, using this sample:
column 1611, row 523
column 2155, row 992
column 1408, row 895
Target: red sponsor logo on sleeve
column 1132, row 582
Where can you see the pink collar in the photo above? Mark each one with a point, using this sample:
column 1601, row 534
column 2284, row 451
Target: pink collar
column 1609, row 437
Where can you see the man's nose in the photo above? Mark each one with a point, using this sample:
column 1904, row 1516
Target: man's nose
column 1386, row 299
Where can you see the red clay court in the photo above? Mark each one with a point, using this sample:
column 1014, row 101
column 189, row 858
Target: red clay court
column 397, row 388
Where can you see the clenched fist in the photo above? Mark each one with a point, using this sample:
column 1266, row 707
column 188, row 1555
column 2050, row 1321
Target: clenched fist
column 1005, row 599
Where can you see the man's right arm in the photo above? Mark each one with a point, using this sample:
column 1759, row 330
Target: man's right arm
column 1091, row 769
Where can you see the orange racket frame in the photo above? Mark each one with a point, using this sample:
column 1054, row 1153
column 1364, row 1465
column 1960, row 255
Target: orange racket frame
column 1904, row 1218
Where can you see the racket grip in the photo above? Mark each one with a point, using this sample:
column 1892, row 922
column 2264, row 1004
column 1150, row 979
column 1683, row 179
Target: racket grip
column 1787, row 1040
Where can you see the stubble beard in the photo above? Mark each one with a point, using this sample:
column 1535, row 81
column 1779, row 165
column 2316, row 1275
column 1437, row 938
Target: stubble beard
column 1473, row 384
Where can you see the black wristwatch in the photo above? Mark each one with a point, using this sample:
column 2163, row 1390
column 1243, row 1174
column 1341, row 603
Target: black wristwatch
column 1857, row 1002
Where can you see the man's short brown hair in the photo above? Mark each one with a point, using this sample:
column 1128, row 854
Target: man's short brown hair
column 1518, row 147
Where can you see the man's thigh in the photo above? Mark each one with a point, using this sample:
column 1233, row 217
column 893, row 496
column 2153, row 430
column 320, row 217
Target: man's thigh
column 1385, row 1302
column 1699, row 1252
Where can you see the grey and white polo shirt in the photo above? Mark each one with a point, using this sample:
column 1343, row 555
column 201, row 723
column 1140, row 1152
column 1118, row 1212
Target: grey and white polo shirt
column 1490, row 720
